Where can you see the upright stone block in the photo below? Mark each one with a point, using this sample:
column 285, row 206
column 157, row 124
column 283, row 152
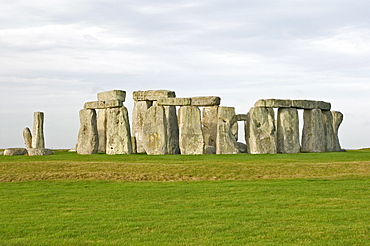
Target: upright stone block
column 155, row 131
column 226, row 140
column 38, row 141
column 260, row 131
column 173, row 147
column 138, row 116
column 209, row 122
column 313, row 135
column 337, row 120
column 102, row 129
column 288, row 131
column 88, row 140
column 27, row 136
column 118, row 132
column 329, row 134
column 190, row 131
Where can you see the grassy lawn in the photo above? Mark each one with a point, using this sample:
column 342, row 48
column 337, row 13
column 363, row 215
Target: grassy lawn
column 300, row 199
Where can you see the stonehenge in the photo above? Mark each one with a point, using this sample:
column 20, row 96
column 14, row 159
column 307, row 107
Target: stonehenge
column 165, row 124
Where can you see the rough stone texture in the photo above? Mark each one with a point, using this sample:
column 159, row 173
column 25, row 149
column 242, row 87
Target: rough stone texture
column 329, row 134
column 173, row 147
column 190, row 131
column 313, row 135
column 39, row 152
column 226, row 141
column 209, row 122
column 113, row 103
column 174, row 101
column 337, row 120
column 27, row 136
column 112, row 95
column 38, row 141
column 300, row 104
column 88, row 140
column 241, row 117
column 273, row 103
column 205, row 101
column 288, row 131
column 307, row 104
column 133, row 145
column 118, row 132
column 209, row 150
column 242, row 147
column 102, row 126
column 15, row 151
column 260, row 131
column 152, row 95
column 138, row 116
column 94, row 105
column 155, row 131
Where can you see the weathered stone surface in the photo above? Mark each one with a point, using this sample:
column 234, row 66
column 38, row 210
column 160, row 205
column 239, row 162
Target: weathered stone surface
column 308, row 104
column 138, row 116
column 155, row 131
column 88, row 140
column 329, row 134
column 337, row 120
column 205, row 101
column 27, row 136
column 209, row 122
column 133, row 144
column 39, row 152
column 190, row 131
column 152, row 95
column 38, row 131
column 113, row 103
column 118, row 132
column 94, row 105
column 15, row 151
column 209, row 150
column 313, row 135
column 226, row 140
column 173, row 147
column 112, row 95
column 300, row 104
column 174, row 101
column 242, row 147
column 288, row 131
column 273, row 103
column 324, row 106
column 102, row 127
column 260, row 131
column 241, row 117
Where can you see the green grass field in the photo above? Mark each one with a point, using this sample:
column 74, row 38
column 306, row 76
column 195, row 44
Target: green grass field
column 298, row 199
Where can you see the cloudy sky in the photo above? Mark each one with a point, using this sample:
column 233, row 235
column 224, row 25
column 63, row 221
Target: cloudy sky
column 57, row 54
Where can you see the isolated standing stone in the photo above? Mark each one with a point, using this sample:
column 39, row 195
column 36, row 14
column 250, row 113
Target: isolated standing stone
column 172, row 130
column 27, row 136
column 38, row 141
column 88, row 140
column 138, row 116
column 118, row 132
column 329, row 133
column 313, row 135
column 260, row 131
column 102, row 127
column 226, row 140
column 209, row 122
column 155, row 131
column 337, row 120
column 190, row 131
column 288, row 131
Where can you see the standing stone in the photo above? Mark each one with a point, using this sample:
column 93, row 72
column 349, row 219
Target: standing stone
column 209, row 122
column 313, row 135
column 226, row 140
column 155, row 131
column 118, row 132
column 138, row 115
column 329, row 134
column 88, row 140
column 260, row 131
column 133, row 144
column 172, row 130
column 102, row 125
column 288, row 131
column 337, row 120
column 38, row 141
column 190, row 130
column 27, row 136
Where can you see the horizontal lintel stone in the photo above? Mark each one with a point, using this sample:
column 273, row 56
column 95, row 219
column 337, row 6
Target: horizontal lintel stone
column 152, row 95
column 241, row 117
column 112, row 95
column 103, row 104
column 174, row 101
column 205, row 101
column 299, row 104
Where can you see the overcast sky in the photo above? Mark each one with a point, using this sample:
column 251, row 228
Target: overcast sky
column 57, row 54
